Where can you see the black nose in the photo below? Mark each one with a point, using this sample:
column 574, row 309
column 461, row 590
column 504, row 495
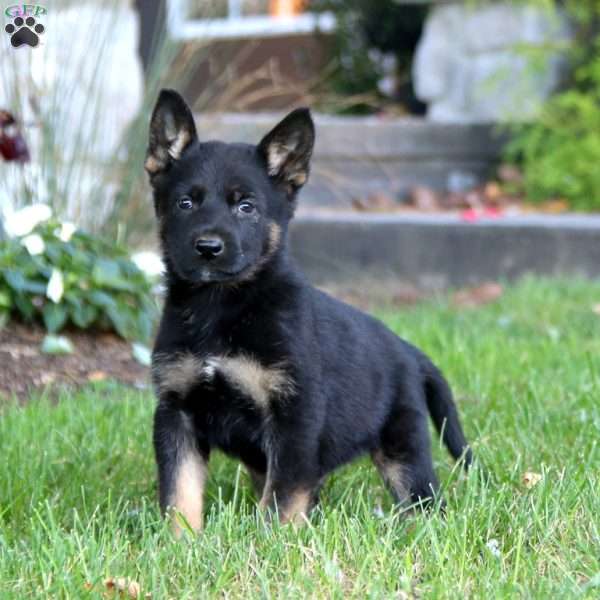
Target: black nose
column 209, row 248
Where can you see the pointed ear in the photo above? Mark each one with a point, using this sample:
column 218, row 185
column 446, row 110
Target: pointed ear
column 288, row 147
column 172, row 130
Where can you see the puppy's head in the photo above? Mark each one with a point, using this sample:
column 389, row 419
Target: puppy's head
column 223, row 209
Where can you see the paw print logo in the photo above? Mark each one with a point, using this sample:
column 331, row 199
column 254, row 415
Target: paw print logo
column 24, row 31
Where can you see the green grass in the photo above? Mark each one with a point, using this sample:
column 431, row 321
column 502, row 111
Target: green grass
column 78, row 502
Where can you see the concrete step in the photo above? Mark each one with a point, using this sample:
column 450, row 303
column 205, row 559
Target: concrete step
column 441, row 251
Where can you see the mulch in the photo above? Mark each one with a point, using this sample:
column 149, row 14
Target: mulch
column 98, row 356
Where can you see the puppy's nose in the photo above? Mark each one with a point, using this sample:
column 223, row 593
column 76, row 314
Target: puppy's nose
column 209, row 247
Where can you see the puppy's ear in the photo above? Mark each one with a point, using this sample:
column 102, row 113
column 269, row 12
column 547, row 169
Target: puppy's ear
column 172, row 130
column 288, row 147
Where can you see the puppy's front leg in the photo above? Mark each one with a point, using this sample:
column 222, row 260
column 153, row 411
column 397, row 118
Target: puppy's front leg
column 291, row 486
column 182, row 466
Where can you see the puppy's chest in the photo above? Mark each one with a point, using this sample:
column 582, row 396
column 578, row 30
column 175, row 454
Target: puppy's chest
column 214, row 382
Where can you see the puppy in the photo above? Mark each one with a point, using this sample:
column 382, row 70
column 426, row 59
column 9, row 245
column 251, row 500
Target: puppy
column 249, row 357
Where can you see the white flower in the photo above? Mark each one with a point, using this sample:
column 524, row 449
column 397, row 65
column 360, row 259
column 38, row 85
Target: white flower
column 34, row 244
column 21, row 222
column 56, row 286
column 149, row 263
column 66, row 231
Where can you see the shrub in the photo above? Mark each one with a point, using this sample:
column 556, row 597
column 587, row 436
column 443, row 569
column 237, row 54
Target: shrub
column 559, row 152
column 52, row 273
column 373, row 46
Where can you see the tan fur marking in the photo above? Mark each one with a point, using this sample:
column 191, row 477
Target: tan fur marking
column 178, row 374
column 267, row 492
column 299, row 178
column 260, row 383
column 189, row 492
column 251, row 378
column 296, row 507
column 392, row 472
column 274, row 241
column 153, row 164
column 178, row 144
column 274, row 237
column 277, row 154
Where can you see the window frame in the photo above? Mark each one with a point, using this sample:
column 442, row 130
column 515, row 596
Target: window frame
column 237, row 26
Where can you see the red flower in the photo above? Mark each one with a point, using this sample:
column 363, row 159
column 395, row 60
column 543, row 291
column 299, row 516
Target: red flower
column 12, row 143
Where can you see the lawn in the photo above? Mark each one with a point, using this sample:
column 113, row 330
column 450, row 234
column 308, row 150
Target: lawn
column 78, row 501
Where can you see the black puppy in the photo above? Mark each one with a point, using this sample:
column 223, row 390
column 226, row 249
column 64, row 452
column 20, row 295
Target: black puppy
column 249, row 357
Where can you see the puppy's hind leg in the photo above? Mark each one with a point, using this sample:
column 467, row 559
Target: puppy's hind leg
column 404, row 458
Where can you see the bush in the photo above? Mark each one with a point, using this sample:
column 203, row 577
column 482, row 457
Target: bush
column 373, row 48
column 50, row 272
column 560, row 151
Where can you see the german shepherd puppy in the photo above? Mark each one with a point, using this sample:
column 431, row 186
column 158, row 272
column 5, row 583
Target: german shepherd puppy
column 253, row 360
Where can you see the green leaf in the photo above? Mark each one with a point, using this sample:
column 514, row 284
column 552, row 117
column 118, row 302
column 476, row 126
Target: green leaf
column 55, row 316
column 121, row 321
column 107, row 273
column 142, row 354
column 82, row 313
column 18, row 282
column 25, row 306
column 5, row 300
column 102, row 300
column 57, row 344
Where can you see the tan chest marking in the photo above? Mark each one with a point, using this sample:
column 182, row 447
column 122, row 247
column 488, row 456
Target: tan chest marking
column 242, row 372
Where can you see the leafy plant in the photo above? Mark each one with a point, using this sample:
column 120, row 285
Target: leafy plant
column 60, row 276
column 373, row 49
column 559, row 152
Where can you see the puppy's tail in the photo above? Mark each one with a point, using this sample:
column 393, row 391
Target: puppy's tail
column 444, row 414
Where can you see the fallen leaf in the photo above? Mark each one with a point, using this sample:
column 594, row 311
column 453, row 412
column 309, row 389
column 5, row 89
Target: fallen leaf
column 492, row 191
column 555, row 207
column 482, row 294
column 510, row 174
column 88, row 586
column 531, row 479
column 97, row 376
column 122, row 586
column 375, row 202
column 57, row 344
column 424, row 198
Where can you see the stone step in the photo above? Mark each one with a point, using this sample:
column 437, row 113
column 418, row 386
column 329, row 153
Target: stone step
column 357, row 156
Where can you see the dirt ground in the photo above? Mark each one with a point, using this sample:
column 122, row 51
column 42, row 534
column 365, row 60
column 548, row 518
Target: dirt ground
column 102, row 356
column 97, row 356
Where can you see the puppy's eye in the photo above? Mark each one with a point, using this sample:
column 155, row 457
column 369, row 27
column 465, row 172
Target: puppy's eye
column 246, row 207
column 185, row 203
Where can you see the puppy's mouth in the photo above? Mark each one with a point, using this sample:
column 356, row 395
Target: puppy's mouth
column 214, row 275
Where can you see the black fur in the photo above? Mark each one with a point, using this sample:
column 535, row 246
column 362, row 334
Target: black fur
column 351, row 386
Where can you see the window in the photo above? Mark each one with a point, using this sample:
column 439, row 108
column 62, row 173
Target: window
column 222, row 19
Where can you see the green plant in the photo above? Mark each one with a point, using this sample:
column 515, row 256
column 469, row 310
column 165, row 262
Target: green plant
column 52, row 273
column 373, row 48
column 559, row 151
